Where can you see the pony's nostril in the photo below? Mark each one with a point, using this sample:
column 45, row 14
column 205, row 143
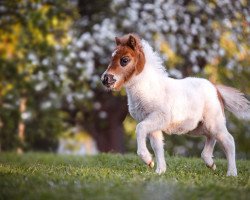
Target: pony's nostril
column 106, row 78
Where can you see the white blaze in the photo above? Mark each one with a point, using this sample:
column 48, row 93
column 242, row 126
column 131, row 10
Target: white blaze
column 114, row 53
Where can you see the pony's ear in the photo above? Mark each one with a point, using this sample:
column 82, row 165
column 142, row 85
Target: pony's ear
column 140, row 64
column 132, row 42
column 118, row 41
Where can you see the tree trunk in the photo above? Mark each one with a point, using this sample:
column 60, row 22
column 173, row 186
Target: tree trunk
column 108, row 132
column 21, row 124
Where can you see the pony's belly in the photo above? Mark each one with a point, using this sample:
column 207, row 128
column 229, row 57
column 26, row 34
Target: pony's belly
column 181, row 127
column 175, row 128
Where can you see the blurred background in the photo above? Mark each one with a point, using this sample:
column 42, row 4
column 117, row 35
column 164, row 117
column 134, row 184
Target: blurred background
column 52, row 54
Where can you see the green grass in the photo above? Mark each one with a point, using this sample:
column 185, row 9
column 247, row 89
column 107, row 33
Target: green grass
column 109, row 176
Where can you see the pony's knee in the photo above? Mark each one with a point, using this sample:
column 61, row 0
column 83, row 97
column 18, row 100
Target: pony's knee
column 138, row 128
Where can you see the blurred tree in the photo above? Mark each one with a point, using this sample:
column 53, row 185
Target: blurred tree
column 31, row 34
column 57, row 66
column 87, row 103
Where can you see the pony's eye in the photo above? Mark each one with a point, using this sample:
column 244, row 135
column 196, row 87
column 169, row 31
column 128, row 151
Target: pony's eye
column 124, row 61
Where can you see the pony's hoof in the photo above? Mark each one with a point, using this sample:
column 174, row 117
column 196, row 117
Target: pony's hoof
column 151, row 164
column 232, row 173
column 160, row 170
column 213, row 166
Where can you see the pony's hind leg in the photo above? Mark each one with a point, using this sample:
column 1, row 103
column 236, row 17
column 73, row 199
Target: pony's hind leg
column 215, row 122
column 227, row 142
column 218, row 131
column 207, row 153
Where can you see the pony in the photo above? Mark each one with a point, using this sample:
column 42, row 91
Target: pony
column 160, row 104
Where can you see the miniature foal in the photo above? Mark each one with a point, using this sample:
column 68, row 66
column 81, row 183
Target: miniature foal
column 160, row 103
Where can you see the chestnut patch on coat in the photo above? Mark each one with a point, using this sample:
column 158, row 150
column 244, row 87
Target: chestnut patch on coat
column 220, row 98
column 127, row 46
column 222, row 102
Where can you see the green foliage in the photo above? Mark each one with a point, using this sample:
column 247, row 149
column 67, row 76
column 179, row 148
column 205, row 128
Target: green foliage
column 8, row 140
column 31, row 34
column 43, row 130
column 106, row 176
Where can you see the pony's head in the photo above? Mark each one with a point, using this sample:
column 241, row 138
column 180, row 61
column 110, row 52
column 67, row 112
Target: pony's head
column 126, row 62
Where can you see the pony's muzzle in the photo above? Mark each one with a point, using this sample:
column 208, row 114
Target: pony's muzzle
column 108, row 80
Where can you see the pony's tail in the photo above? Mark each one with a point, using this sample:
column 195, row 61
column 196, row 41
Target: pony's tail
column 234, row 101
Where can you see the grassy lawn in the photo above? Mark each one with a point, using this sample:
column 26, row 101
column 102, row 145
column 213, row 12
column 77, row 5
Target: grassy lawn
column 110, row 176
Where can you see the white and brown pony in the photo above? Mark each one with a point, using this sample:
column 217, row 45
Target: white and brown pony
column 163, row 104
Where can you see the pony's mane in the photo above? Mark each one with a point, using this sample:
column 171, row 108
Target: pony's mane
column 152, row 58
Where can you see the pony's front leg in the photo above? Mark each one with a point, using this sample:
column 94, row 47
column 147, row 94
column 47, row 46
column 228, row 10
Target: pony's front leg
column 154, row 122
column 142, row 150
column 156, row 140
